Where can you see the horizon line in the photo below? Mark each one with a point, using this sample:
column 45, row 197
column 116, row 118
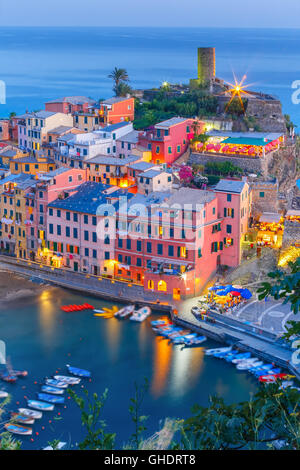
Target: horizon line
column 147, row 26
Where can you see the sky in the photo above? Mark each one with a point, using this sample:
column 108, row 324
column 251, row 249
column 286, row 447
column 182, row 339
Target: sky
column 195, row 13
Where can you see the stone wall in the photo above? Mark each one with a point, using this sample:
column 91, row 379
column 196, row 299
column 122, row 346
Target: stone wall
column 291, row 234
column 268, row 114
column 251, row 165
column 264, row 197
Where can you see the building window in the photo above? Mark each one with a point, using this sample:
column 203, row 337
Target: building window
column 86, row 235
column 262, row 194
column 149, row 247
column 139, row 261
column 51, row 228
column 170, row 250
column 150, row 284
column 162, row 286
column 228, row 228
column 86, row 252
column 138, row 245
column 85, row 219
column 95, row 237
column 75, row 217
column 228, row 197
column 106, row 255
column 75, row 233
column 159, row 249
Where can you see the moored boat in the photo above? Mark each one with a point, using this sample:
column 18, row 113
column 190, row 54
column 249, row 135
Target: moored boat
column 56, row 383
column 30, row 413
column 3, row 394
column 211, row 352
column 51, row 389
column 125, row 311
column 18, row 429
column 40, row 405
column 22, row 419
column 195, row 341
column 141, row 314
column 50, row 398
column 67, row 379
column 79, row 372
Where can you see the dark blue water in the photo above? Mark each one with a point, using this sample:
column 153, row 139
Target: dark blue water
column 39, row 64
column 42, row 339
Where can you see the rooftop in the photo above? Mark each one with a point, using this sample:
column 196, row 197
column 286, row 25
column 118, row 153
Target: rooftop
column 115, row 99
column 170, row 122
column 184, row 196
column 73, row 100
column 113, row 161
column 230, row 186
column 142, row 166
column 151, row 173
column 114, row 127
column 60, row 130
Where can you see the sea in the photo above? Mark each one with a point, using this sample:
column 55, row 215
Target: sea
column 42, row 339
column 39, row 64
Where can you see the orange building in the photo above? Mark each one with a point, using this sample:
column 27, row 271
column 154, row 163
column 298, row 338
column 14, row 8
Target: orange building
column 116, row 110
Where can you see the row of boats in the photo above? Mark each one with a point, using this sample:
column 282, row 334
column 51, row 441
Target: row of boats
column 176, row 334
column 266, row 373
column 129, row 311
column 51, row 394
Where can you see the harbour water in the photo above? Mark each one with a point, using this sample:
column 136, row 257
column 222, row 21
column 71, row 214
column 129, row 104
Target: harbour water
column 42, row 339
column 40, row 64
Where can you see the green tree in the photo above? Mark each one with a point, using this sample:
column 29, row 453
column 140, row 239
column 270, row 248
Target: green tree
column 118, row 76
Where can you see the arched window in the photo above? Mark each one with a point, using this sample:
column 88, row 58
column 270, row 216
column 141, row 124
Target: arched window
column 150, row 284
column 162, row 286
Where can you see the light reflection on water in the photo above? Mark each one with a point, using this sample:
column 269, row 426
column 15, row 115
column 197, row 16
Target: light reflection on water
column 41, row 338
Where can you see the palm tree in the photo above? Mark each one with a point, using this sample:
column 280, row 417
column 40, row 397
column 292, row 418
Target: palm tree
column 118, row 76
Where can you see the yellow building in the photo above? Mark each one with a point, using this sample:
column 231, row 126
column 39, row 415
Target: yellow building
column 13, row 233
column 86, row 121
column 31, row 165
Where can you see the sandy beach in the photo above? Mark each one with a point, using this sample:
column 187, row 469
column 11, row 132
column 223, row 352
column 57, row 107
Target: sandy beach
column 13, row 286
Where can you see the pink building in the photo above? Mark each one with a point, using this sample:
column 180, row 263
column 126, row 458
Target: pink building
column 168, row 140
column 234, row 199
column 73, row 229
column 57, row 183
column 177, row 246
column 70, row 104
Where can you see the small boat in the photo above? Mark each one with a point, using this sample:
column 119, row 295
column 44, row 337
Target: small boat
column 247, row 365
column 19, row 418
column 30, row 413
column 98, row 311
column 40, row 405
column 141, row 314
column 195, row 341
column 238, row 356
column 17, row 429
column 160, row 322
column 8, row 377
column 51, row 389
column 195, row 310
column 272, row 378
column 125, row 311
column 182, row 339
column 67, row 379
column 241, row 357
column 3, row 394
column 79, row 372
column 19, row 373
column 224, row 354
column 211, row 352
column 50, row 398
column 56, row 383
column 287, row 383
column 59, row 446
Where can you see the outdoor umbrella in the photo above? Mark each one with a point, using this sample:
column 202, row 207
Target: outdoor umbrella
column 235, row 293
column 246, row 294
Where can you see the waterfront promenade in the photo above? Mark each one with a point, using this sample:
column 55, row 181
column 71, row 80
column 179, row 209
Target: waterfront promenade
column 262, row 344
column 105, row 288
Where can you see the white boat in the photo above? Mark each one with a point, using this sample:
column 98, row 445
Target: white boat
column 56, row 383
column 287, row 383
column 211, row 352
column 248, row 365
column 245, row 359
column 125, row 311
column 59, row 446
column 141, row 314
column 30, row 413
column 98, row 311
column 67, row 379
column 40, row 405
column 3, row 394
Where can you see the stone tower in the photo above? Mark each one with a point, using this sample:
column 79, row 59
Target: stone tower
column 206, row 65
